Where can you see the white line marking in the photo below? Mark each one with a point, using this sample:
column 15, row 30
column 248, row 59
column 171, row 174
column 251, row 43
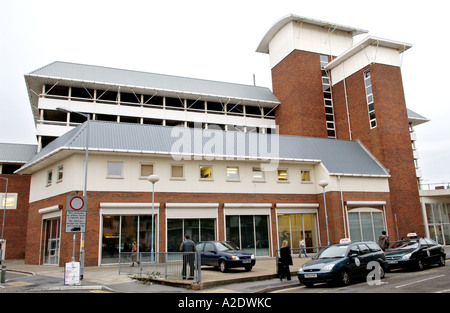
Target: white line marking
column 419, row 281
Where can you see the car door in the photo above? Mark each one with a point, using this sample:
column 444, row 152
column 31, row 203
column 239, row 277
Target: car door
column 365, row 257
column 354, row 263
column 425, row 251
column 210, row 254
column 434, row 250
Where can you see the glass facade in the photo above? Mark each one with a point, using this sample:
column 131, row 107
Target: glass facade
column 438, row 218
column 292, row 227
column 197, row 229
column 365, row 225
column 119, row 232
column 249, row 233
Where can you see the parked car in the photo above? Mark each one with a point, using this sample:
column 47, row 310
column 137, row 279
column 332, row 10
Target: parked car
column 225, row 255
column 340, row 263
column 415, row 254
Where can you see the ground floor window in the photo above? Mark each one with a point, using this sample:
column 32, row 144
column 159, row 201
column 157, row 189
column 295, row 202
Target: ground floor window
column 365, row 224
column 51, row 240
column 198, row 229
column 438, row 217
column 292, row 227
column 120, row 231
column 249, row 232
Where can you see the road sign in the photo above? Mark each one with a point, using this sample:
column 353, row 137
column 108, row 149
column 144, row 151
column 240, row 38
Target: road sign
column 72, row 273
column 76, row 214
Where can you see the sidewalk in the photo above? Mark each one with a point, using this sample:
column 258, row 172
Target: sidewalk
column 108, row 278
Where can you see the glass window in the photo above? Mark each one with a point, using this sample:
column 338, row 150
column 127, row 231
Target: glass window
column 197, row 229
column 363, row 248
column 146, row 170
column 282, row 175
column 233, row 173
column 249, row 232
column 49, row 178
column 114, row 169
column 60, row 173
column 205, row 172
column 177, row 171
column 257, row 175
column 365, row 225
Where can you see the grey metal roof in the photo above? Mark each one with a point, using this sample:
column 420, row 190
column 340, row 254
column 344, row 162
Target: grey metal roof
column 92, row 76
column 338, row 156
column 416, row 118
column 16, row 153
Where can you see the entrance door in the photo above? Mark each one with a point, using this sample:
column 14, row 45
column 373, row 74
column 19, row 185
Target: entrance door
column 51, row 241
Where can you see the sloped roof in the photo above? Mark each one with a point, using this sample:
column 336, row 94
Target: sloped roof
column 342, row 157
column 16, row 153
column 92, row 76
column 416, row 118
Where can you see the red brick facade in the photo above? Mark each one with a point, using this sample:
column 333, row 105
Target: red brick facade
column 92, row 235
column 16, row 220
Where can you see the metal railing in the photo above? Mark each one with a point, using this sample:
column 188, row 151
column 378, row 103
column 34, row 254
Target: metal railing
column 165, row 265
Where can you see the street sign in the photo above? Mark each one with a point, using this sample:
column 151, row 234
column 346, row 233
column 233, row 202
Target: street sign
column 72, row 273
column 76, row 214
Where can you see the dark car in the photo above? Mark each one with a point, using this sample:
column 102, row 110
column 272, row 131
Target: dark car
column 415, row 254
column 341, row 263
column 224, row 255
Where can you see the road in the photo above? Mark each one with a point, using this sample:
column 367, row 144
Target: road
column 433, row 279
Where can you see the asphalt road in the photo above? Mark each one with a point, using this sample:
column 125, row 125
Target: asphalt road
column 433, row 279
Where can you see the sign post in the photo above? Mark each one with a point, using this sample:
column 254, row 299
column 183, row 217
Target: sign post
column 75, row 223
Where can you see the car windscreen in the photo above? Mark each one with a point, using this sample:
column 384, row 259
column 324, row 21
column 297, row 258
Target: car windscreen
column 332, row 252
column 404, row 245
column 225, row 245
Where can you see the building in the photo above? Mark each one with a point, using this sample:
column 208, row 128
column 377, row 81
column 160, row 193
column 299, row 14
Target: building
column 14, row 198
column 236, row 162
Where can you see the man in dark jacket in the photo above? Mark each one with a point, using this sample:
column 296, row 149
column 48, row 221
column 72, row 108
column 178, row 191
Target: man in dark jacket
column 383, row 241
column 188, row 246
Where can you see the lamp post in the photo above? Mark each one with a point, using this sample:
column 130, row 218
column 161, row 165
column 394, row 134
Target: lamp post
column 3, row 267
column 86, row 159
column 153, row 179
column 323, row 184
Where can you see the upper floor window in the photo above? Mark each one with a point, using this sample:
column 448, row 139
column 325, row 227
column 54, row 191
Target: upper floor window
column 49, row 177
column 205, row 172
column 369, row 98
column 282, row 175
column 232, row 173
column 60, row 173
column 257, row 175
column 305, row 176
column 146, row 170
column 114, row 169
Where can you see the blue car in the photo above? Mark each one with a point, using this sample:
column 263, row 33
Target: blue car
column 342, row 262
column 224, row 255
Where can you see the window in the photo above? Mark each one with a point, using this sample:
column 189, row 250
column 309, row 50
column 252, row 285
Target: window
column 306, row 176
column 114, row 169
column 60, row 173
column 369, row 98
column 177, row 172
column 206, row 172
column 232, row 173
column 328, row 99
column 282, row 175
column 49, row 177
column 146, row 170
column 257, row 175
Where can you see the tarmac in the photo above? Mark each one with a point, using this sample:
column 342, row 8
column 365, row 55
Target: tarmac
column 108, row 279
column 46, row 278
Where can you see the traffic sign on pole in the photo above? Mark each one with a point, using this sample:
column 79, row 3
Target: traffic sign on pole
column 76, row 214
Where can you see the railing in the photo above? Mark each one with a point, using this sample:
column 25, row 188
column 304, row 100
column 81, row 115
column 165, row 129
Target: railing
column 435, row 186
column 165, row 265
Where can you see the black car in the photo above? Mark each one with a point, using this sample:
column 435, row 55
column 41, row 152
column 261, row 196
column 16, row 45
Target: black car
column 224, row 255
column 415, row 254
column 342, row 262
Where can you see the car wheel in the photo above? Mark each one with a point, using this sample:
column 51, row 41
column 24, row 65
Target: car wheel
column 344, row 278
column 248, row 268
column 223, row 266
column 420, row 265
column 308, row 285
column 441, row 260
column 382, row 271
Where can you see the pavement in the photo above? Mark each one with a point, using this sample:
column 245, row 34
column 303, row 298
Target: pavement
column 21, row 277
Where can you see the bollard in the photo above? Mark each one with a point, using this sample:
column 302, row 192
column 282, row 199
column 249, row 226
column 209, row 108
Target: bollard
column 2, row 279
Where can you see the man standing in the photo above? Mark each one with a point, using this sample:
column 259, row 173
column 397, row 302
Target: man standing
column 188, row 247
column 383, row 241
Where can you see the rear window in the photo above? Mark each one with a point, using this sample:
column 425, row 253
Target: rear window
column 373, row 247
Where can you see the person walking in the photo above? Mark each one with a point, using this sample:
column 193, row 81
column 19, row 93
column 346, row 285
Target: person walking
column 302, row 247
column 285, row 261
column 383, row 241
column 188, row 247
column 134, row 254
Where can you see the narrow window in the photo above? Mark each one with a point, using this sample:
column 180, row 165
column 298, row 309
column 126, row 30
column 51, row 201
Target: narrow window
column 369, row 98
column 60, row 173
column 328, row 98
column 49, row 177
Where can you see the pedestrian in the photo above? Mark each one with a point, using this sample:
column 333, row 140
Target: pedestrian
column 302, row 247
column 285, row 261
column 134, row 254
column 383, row 241
column 188, row 247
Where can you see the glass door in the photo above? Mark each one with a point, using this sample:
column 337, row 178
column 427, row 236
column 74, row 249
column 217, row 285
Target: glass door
column 51, row 241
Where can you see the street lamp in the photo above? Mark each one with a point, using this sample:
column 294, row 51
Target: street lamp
column 153, row 179
column 3, row 267
column 86, row 159
column 323, row 184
